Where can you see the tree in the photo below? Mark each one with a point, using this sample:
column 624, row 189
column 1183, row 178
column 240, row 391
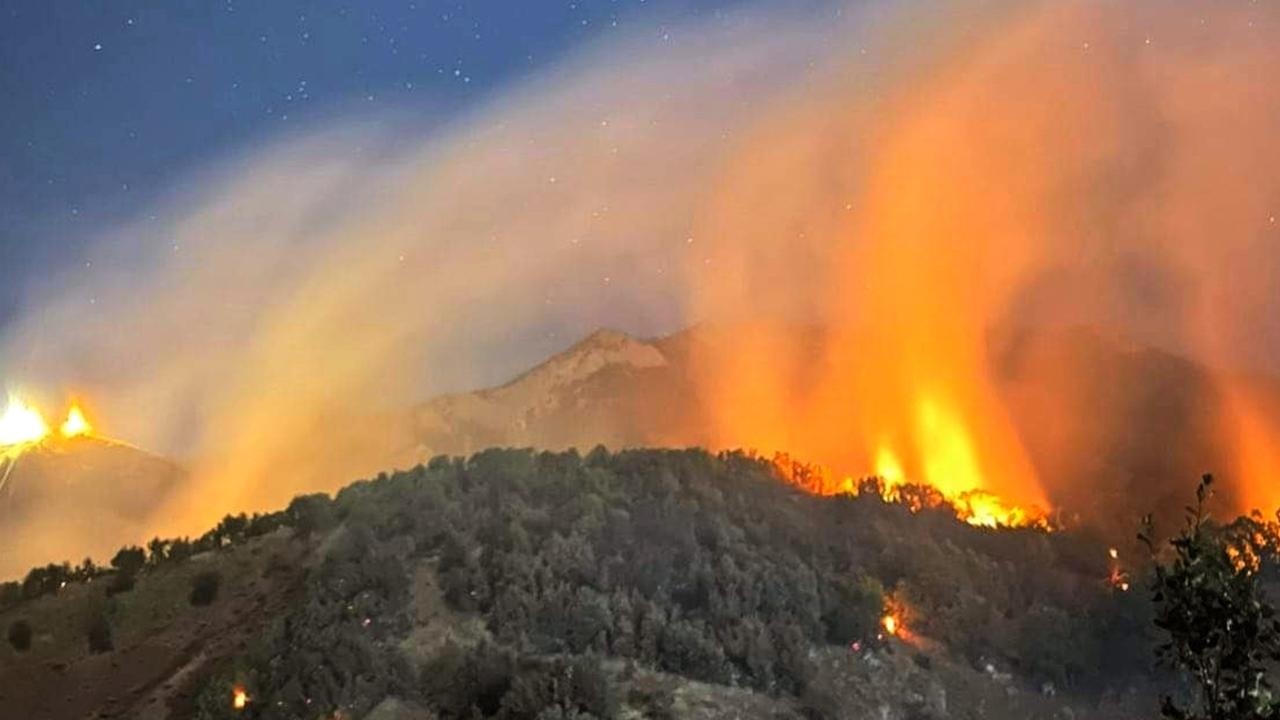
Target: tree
column 129, row 560
column 310, row 513
column 158, row 551
column 1219, row 629
column 45, row 580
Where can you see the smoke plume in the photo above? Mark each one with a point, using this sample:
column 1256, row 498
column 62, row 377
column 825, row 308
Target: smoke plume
column 944, row 193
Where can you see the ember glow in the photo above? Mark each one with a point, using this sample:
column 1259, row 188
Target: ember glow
column 893, row 621
column 1117, row 576
column 890, row 624
column 239, row 698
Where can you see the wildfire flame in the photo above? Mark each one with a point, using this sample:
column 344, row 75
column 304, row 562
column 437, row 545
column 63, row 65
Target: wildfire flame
column 890, row 624
column 976, row 507
column 75, row 425
column 893, row 620
column 21, row 424
column 239, row 698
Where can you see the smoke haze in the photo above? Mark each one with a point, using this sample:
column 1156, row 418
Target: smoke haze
column 936, row 186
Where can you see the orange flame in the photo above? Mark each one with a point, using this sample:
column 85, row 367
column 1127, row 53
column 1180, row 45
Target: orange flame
column 976, row 507
column 890, row 624
column 75, row 425
column 915, row 224
column 239, row 698
column 22, row 424
column 893, row 623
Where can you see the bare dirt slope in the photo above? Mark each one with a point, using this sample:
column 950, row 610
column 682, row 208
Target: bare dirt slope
column 164, row 647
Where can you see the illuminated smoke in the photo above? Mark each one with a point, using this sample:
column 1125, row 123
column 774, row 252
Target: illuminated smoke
column 888, row 218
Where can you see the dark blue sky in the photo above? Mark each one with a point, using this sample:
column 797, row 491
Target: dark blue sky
column 105, row 105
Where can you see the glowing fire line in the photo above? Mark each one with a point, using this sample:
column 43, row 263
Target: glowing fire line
column 975, row 507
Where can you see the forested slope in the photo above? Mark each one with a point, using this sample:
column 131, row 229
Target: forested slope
column 652, row 583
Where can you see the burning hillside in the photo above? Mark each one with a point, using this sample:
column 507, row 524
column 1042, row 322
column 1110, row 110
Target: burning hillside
column 67, row 492
column 21, row 424
column 973, row 506
column 1168, row 406
column 23, row 427
column 884, row 227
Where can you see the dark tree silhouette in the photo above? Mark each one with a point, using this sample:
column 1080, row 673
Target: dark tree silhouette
column 1219, row 629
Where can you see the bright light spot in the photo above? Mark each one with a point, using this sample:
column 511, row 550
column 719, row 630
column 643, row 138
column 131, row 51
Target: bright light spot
column 75, row 425
column 890, row 624
column 21, row 423
column 239, row 698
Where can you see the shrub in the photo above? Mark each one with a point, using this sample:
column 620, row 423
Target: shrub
column 121, row 581
column 99, row 635
column 204, row 587
column 561, row 688
column 310, row 513
column 129, row 559
column 20, row 635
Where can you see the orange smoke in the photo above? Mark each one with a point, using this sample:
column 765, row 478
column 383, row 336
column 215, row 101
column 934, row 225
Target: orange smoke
column 875, row 219
column 1091, row 164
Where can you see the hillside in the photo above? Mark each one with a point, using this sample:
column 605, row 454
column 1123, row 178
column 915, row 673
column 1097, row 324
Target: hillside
column 637, row 584
column 64, row 499
column 1142, row 420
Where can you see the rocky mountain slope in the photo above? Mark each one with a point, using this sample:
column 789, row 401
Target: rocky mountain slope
column 609, row 388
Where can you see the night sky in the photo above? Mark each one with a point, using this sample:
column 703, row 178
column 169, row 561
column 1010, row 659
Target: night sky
column 110, row 106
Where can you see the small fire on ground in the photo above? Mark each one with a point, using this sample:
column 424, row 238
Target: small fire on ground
column 893, row 623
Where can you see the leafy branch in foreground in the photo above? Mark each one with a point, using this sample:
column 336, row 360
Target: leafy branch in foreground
column 1220, row 629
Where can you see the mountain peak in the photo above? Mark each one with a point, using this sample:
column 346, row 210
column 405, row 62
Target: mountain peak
column 507, row 411
column 602, row 348
column 605, row 337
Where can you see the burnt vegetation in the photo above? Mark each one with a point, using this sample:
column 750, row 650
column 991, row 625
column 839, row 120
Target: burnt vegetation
column 581, row 570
